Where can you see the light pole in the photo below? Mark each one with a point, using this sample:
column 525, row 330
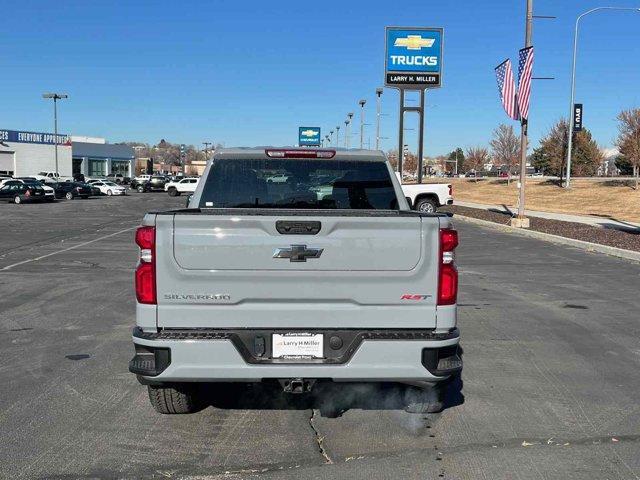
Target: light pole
column 350, row 117
column 55, row 97
column 327, row 142
column 337, row 135
column 206, row 148
column 346, row 133
column 573, row 83
column 378, row 112
column 330, row 137
column 361, row 103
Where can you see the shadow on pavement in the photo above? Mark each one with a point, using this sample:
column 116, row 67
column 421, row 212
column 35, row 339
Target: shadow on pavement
column 330, row 398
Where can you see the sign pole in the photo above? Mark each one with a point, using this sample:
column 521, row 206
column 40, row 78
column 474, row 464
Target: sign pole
column 401, row 133
column 523, row 222
column 421, row 135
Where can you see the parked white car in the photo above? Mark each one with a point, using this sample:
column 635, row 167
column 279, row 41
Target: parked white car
column 186, row 185
column 108, row 187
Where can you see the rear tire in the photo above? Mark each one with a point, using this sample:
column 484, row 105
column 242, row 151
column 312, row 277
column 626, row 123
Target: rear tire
column 173, row 192
column 69, row 196
column 173, row 400
column 140, row 189
column 17, row 200
column 426, row 205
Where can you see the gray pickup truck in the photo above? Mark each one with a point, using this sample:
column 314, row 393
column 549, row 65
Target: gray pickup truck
column 323, row 275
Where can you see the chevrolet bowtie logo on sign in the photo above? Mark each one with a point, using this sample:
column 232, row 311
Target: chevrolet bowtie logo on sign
column 413, row 58
column 414, row 42
column 309, row 136
column 297, row 253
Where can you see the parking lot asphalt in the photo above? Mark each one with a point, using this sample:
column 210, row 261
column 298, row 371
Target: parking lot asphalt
column 551, row 338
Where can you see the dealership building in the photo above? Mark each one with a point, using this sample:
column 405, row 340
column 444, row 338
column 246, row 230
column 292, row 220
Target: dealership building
column 24, row 154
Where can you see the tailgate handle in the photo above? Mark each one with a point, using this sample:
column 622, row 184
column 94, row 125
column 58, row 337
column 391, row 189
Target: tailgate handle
column 288, row 227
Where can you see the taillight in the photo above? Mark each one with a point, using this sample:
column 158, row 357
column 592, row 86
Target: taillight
column 448, row 274
column 146, row 270
column 301, row 153
column 451, row 190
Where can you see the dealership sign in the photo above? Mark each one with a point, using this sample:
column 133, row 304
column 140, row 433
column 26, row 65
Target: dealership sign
column 309, row 136
column 413, row 58
column 33, row 137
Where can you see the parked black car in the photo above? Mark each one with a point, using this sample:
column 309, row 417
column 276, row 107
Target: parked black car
column 154, row 184
column 71, row 190
column 19, row 192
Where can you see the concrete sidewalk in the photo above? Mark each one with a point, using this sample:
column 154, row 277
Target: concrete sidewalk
column 603, row 222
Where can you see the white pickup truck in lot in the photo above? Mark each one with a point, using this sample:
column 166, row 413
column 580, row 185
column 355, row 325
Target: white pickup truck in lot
column 427, row 197
column 327, row 277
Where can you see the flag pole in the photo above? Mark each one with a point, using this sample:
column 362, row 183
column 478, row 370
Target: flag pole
column 522, row 221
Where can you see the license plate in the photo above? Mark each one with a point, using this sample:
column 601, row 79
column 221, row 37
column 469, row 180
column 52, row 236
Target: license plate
column 297, row 345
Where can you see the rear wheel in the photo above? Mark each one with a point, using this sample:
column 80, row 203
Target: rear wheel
column 17, row 200
column 140, row 189
column 173, row 400
column 426, row 205
column 69, row 196
column 173, row 192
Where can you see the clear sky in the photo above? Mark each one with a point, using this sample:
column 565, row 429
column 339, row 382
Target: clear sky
column 250, row 72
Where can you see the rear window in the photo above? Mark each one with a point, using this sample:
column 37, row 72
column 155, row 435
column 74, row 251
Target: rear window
column 299, row 184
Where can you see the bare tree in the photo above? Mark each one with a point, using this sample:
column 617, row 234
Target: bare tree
column 506, row 147
column 476, row 159
column 629, row 138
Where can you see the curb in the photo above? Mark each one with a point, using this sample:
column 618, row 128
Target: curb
column 587, row 246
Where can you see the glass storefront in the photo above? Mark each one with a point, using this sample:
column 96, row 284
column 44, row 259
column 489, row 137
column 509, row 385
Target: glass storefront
column 97, row 168
column 118, row 166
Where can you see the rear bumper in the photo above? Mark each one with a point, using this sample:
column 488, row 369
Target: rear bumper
column 217, row 355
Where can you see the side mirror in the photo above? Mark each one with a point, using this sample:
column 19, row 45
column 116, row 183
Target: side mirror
column 189, row 200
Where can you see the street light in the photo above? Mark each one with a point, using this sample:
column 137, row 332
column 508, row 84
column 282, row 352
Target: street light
column 378, row 111
column 55, row 97
column 346, row 133
column 330, row 137
column 361, row 103
column 573, row 82
column 337, row 135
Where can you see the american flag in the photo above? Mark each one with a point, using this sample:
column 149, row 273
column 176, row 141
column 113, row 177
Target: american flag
column 525, row 70
column 507, row 88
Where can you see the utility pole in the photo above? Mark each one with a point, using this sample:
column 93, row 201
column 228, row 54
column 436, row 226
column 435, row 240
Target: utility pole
column 521, row 221
column 55, row 97
column 361, row 103
column 378, row 113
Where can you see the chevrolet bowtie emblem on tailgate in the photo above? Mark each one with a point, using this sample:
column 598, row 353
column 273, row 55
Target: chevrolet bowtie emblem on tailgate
column 414, row 42
column 297, row 253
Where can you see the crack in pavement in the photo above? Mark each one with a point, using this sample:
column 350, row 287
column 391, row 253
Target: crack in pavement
column 319, row 438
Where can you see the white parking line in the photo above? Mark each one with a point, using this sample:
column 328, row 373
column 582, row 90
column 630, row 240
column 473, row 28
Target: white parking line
column 9, row 267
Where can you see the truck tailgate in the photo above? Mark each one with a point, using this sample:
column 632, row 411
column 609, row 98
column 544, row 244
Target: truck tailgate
column 219, row 271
